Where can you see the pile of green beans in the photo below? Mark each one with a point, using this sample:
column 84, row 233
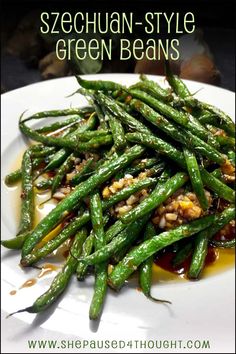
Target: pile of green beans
column 162, row 140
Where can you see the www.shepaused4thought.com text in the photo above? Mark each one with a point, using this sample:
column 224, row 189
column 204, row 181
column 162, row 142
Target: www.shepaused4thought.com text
column 119, row 344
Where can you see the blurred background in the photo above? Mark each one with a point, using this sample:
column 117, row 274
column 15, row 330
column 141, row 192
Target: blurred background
column 208, row 55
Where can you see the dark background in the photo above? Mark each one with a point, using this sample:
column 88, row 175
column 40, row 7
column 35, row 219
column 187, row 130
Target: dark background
column 216, row 18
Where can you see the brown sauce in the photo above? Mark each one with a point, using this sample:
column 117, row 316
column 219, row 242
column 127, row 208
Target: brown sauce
column 13, row 292
column 66, row 253
column 166, row 258
column 227, row 233
column 218, row 260
column 29, row 283
column 47, row 268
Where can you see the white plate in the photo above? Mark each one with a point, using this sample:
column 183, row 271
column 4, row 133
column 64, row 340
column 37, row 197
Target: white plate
column 202, row 310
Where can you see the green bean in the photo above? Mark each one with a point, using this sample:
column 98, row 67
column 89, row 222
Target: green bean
column 88, row 135
column 208, row 118
column 125, row 107
column 39, row 150
column 199, row 255
column 59, row 157
column 155, row 85
column 110, row 154
column 221, row 189
column 176, row 83
column 95, row 143
column 65, row 142
column 51, row 245
column 120, row 113
column 223, row 244
column 115, row 94
column 222, row 219
column 161, row 146
column 15, row 243
column 101, row 116
column 14, row 177
column 122, row 97
column 49, row 140
column 100, row 287
column 61, row 172
column 231, row 157
column 27, row 194
column 153, row 89
column 62, row 154
column 97, row 220
column 57, row 113
column 61, row 280
column 78, row 177
column 83, row 140
column 117, row 132
column 82, row 190
column 88, row 244
column 202, row 239
column 143, row 77
column 179, row 117
column 123, row 239
column 162, row 192
column 156, row 119
column 217, row 173
column 205, row 113
column 89, row 124
column 193, row 102
column 226, row 141
column 182, row 91
column 99, row 85
column 142, row 165
column 71, row 142
column 222, row 125
column 205, row 149
column 86, row 251
column 119, row 255
column 151, row 171
column 147, row 248
column 195, row 178
column 128, row 191
column 205, row 117
column 58, row 125
column 44, row 184
column 38, row 153
column 145, row 269
column 192, row 125
column 114, row 230
column 182, row 254
column 111, row 232
column 184, row 136
column 156, row 169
